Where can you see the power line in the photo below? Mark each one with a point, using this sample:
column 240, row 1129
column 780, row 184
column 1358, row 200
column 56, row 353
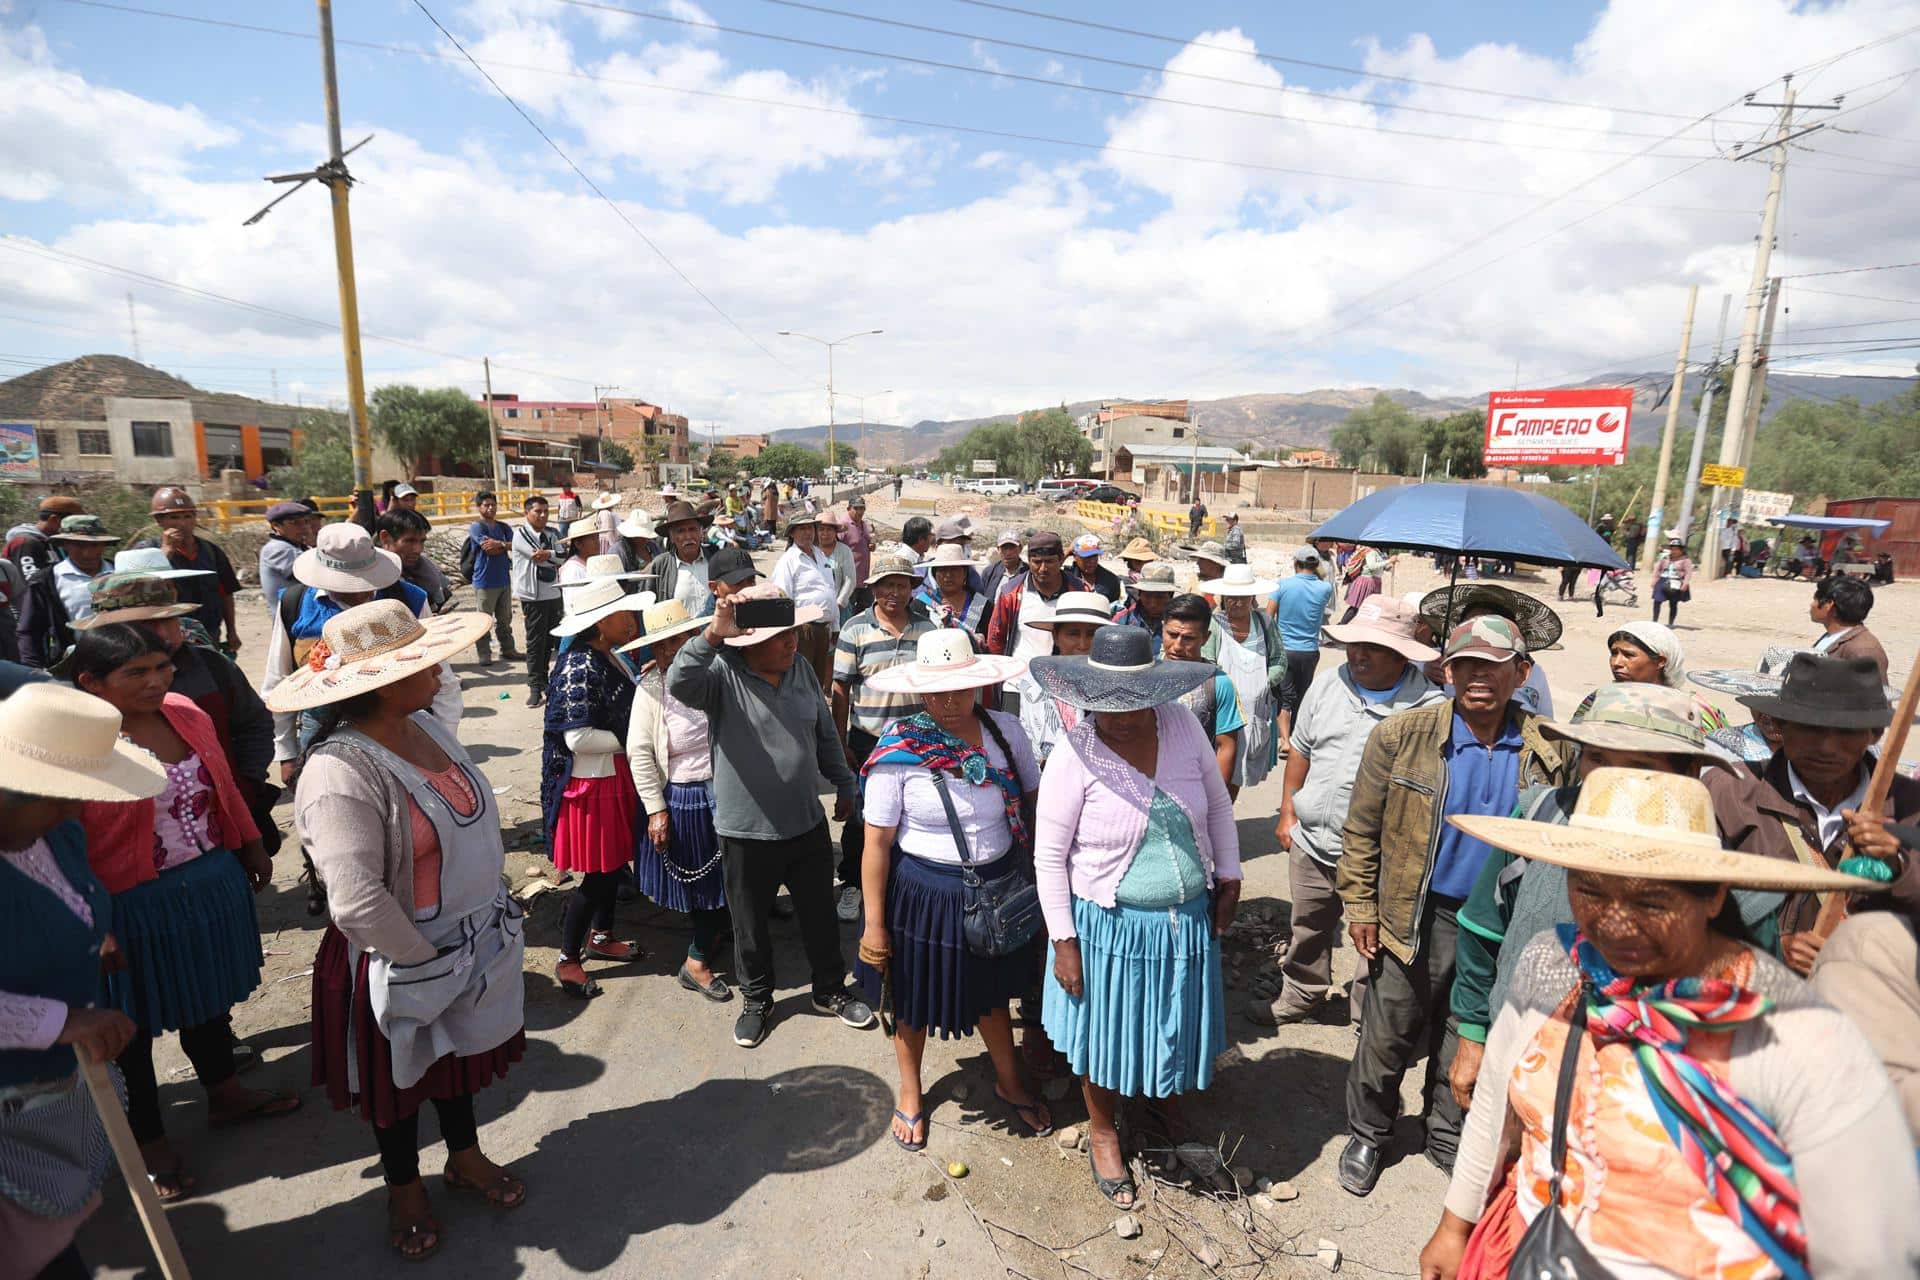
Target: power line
column 1318, row 66
column 1105, row 91
column 1851, row 271
column 595, row 188
column 870, row 117
column 1863, row 297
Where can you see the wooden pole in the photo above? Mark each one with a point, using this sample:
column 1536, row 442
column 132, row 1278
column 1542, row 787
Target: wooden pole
column 153, row 1216
column 1834, row 909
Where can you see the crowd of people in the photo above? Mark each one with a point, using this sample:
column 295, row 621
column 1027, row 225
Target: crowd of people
column 1659, row 967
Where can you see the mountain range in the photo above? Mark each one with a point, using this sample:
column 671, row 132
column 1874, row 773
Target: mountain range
column 1278, row 420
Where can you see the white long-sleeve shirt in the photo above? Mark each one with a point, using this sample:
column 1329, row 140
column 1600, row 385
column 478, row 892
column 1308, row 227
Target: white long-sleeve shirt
column 807, row 577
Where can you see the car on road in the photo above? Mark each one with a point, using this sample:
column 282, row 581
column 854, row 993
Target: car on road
column 1109, row 493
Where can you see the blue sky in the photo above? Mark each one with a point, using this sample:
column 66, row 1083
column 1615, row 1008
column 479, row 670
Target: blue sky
column 1005, row 272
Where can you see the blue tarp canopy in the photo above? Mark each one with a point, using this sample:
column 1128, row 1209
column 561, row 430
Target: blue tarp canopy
column 1471, row 520
column 1829, row 522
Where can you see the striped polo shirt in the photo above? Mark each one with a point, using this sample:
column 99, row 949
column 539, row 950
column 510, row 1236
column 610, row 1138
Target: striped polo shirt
column 866, row 647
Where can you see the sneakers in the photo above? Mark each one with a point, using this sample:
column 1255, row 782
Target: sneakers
column 750, row 1028
column 847, row 905
column 847, row 1007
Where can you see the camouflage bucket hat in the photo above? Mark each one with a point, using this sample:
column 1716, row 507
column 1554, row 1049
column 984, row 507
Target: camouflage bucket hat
column 1637, row 717
column 132, row 597
column 84, row 529
column 1494, row 639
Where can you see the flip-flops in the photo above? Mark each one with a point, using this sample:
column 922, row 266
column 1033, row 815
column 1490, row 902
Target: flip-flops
column 503, row 1191
column 910, row 1121
column 1023, row 1110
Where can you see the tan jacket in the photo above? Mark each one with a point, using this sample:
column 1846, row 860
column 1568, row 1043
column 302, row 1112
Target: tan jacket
column 1393, row 821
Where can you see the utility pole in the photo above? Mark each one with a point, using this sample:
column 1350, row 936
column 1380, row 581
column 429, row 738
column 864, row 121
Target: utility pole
column 133, row 329
column 1750, row 325
column 1683, row 519
column 334, row 174
column 1658, row 503
column 833, row 491
column 1757, row 395
column 1195, row 472
column 493, row 426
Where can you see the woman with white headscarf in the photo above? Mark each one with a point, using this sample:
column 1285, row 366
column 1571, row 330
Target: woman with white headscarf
column 1649, row 653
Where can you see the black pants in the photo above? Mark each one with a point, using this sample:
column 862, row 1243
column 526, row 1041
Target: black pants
column 1301, row 664
column 1569, row 582
column 68, row 1265
column 209, row 1047
column 1408, row 1013
column 755, row 870
column 399, row 1143
column 1631, row 553
column 540, row 617
column 708, row 925
column 590, row 905
column 853, row 836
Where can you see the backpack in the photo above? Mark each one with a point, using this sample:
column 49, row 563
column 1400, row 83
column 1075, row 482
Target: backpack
column 469, row 558
column 289, row 609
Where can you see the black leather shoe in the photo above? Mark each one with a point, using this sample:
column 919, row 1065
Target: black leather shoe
column 1359, row 1166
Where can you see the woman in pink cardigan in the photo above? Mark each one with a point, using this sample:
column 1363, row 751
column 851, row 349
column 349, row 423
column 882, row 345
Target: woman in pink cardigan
column 1138, row 867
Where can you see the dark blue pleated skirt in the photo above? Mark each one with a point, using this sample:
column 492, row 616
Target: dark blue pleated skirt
column 938, row 984
column 192, row 944
column 669, row 878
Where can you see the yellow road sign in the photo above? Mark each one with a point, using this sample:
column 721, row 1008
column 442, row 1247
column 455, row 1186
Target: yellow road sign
column 1723, row 477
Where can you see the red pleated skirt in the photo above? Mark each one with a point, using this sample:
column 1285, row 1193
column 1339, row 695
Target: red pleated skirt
column 1495, row 1238
column 343, row 1023
column 593, row 830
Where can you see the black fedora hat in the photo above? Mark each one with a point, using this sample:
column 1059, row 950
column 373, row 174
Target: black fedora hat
column 1119, row 673
column 1832, row 693
column 679, row 513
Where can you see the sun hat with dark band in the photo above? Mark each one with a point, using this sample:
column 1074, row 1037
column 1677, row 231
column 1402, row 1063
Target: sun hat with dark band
column 1119, row 673
column 663, row 621
column 1650, row 825
column 343, row 558
column 606, row 502
column 1832, row 693
column 1538, row 623
column 58, row 742
column 131, row 597
column 1237, row 580
column 945, row 662
column 590, row 601
column 371, row 646
column 1077, row 606
column 83, row 528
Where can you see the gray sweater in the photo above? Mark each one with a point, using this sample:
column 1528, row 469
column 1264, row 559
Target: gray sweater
column 770, row 744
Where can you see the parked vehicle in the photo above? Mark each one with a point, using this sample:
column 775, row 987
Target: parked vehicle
column 1109, row 493
column 997, row 486
column 1059, row 490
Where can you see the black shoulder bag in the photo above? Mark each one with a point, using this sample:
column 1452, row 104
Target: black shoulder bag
column 1001, row 915
column 1550, row 1250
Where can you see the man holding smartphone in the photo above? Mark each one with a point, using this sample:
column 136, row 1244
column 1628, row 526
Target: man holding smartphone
column 773, row 737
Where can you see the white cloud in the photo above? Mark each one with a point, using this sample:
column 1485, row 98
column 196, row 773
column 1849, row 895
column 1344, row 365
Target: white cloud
column 1033, row 279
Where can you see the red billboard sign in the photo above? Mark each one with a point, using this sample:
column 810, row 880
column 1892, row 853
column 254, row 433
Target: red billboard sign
column 1585, row 428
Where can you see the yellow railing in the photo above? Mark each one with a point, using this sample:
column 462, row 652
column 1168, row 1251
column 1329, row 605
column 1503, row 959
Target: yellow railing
column 1165, row 521
column 224, row 513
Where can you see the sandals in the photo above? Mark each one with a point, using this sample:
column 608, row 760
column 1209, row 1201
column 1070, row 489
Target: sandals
column 1114, row 1188
column 503, row 1191
column 912, row 1122
column 1027, row 1113
column 586, row 989
column 172, row 1184
column 717, row 991
column 268, row 1104
column 601, row 946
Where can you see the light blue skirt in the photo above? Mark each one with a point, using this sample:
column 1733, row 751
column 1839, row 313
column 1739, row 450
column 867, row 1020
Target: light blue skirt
column 1151, row 1017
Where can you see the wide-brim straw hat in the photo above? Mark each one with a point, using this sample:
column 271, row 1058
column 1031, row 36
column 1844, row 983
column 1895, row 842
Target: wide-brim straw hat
column 891, row 564
column 802, row 616
column 1119, row 673
column 580, row 528
column 638, row 524
column 371, row 646
column 606, row 501
column 58, row 742
column 1139, row 549
column 946, row 663
column 152, row 562
column 663, row 621
column 1077, row 606
column 606, row 565
column 343, row 558
column 1649, row 825
column 594, row 599
column 1539, row 625
column 1238, row 580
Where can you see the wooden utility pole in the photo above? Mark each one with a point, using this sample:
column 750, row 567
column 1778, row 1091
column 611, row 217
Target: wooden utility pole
column 338, row 181
column 1757, row 395
column 1658, row 503
column 493, row 428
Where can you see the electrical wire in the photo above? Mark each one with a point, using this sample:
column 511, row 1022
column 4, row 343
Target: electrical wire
column 1862, row 297
column 1853, row 271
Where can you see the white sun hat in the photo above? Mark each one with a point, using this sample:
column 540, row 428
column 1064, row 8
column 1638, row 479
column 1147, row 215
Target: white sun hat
column 152, row 562
column 343, row 558
column 595, row 599
column 57, row 741
column 606, row 502
column 946, row 663
column 604, row 565
column 1077, row 606
column 638, row 524
column 371, row 646
column 1238, row 580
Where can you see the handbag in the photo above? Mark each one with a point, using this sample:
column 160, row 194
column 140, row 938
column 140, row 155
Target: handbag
column 1549, row 1249
column 1001, row 915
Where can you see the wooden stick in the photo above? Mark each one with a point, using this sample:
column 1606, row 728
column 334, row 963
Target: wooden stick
column 1834, row 909
column 133, row 1167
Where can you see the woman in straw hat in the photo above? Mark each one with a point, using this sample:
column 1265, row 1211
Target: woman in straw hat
column 586, row 787
column 417, row 991
column 55, row 922
column 1713, row 1119
column 182, row 870
column 676, row 855
column 950, row 592
column 583, row 543
column 1138, row 865
column 953, row 784
column 635, row 543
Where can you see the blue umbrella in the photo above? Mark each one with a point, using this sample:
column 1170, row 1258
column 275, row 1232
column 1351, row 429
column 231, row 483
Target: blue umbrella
column 1471, row 520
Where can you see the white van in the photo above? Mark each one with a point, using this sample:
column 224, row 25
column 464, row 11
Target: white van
column 997, row 486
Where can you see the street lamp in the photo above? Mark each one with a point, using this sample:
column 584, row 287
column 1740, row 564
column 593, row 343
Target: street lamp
column 871, row 395
column 832, row 489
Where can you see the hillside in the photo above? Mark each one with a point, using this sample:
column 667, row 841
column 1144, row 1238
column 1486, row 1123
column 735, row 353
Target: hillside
column 1272, row 419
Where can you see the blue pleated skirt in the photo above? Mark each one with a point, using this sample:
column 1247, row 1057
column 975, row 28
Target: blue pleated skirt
column 669, row 878
column 1151, row 1017
column 192, row 944
column 938, row 984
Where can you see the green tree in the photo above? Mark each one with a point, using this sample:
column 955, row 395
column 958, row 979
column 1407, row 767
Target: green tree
column 722, row 463
column 1384, row 435
column 323, row 459
column 1454, row 445
column 842, row 454
column 418, row 423
column 1042, row 443
column 616, row 454
column 788, row 461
